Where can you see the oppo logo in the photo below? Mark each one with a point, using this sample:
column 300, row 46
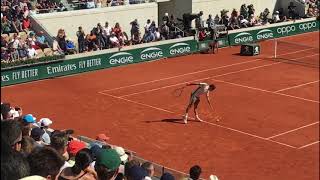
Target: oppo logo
column 307, row 26
column 286, row 29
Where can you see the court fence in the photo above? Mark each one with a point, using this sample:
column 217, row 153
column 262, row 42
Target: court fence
column 80, row 63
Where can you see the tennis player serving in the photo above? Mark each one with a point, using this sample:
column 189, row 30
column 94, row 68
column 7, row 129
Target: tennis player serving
column 203, row 88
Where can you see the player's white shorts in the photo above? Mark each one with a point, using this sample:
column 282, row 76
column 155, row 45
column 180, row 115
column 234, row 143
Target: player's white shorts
column 193, row 99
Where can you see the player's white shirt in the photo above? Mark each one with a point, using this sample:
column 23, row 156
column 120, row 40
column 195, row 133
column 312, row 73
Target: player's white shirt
column 202, row 89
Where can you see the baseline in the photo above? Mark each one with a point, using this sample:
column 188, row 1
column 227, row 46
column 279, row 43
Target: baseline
column 213, row 124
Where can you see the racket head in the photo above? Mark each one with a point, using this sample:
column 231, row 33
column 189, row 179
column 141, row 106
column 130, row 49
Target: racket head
column 177, row 92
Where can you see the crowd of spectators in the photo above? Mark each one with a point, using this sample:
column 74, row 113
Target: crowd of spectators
column 105, row 36
column 18, row 40
column 247, row 17
column 31, row 150
column 22, row 46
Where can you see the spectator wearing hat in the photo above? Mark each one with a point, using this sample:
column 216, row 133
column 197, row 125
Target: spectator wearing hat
column 165, row 18
column 167, row 176
column 74, row 146
column 148, row 166
column 213, row 177
column 36, row 134
column 45, row 162
column 71, row 48
column 292, row 12
column 123, row 156
column 107, row 164
column 276, row 17
column 136, row 173
column 41, row 40
column 81, row 170
column 195, row 172
column 44, row 124
column 29, row 120
column 103, row 138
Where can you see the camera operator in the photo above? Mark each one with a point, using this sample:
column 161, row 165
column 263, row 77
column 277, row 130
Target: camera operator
column 292, row 12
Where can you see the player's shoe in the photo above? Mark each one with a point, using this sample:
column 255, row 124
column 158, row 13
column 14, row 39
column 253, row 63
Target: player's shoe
column 197, row 118
column 185, row 119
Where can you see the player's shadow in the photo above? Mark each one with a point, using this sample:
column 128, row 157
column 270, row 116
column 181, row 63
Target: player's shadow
column 171, row 120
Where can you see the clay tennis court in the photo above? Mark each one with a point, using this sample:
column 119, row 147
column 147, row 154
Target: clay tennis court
column 269, row 127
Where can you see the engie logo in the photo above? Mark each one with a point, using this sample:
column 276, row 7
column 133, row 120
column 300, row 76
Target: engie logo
column 264, row 34
column 151, row 53
column 121, row 58
column 179, row 48
column 243, row 38
column 286, row 29
column 307, row 26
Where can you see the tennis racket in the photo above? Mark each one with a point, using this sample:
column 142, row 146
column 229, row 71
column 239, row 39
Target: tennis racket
column 177, row 92
column 216, row 117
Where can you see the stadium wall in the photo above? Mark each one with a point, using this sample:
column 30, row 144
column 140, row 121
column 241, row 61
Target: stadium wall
column 89, row 18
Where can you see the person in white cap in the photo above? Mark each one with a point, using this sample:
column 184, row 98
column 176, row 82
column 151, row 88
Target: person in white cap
column 44, row 124
column 123, row 156
column 275, row 17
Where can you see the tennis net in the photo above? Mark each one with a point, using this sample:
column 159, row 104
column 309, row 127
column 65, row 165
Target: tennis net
column 296, row 53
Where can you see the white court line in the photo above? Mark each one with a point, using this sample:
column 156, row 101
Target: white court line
column 252, row 135
column 296, row 86
column 308, row 144
column 213, row 124
column 181, row 75
column 210, row 77
column 160, row 109
column 263, row 90
column 202, row 79
column 196, row 72
column 293, row 130
column 235, row 84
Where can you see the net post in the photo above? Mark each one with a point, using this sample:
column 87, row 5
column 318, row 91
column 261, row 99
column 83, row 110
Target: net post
column 275, row 48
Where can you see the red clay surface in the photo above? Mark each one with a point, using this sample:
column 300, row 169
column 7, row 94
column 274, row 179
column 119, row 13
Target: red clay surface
column 261, row 103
